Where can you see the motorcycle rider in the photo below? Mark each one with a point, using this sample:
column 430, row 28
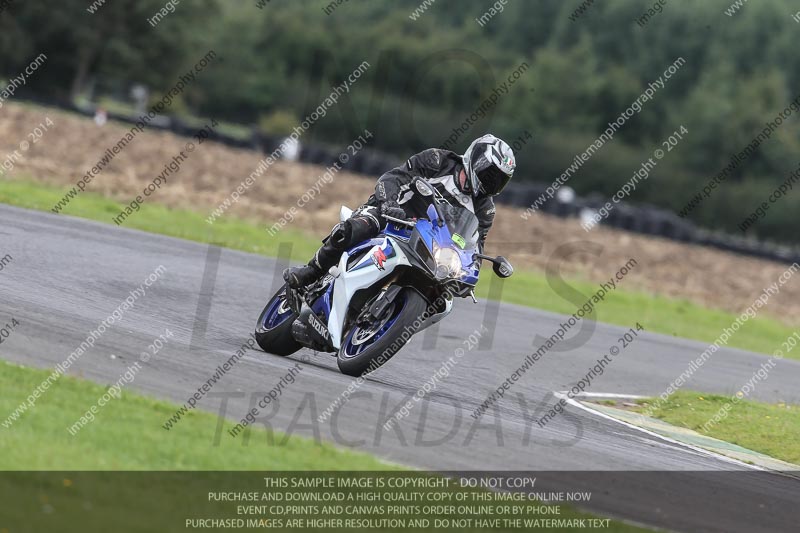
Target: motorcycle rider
column 470, row 180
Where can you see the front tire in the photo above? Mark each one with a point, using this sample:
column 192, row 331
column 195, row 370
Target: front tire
column 367, row 346
column 274, row 328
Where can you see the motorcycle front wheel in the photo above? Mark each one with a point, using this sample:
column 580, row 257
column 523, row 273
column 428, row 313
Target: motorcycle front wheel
column 368, row 344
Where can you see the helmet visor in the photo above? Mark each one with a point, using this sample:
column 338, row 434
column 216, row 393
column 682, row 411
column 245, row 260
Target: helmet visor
column 493, row 180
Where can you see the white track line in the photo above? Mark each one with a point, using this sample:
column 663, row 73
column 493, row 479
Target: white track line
column 702, row 451
column 609, row 395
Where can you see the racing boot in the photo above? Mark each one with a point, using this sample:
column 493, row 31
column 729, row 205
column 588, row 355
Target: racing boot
column 302, row 276
column 323, row 260
column 327, row 256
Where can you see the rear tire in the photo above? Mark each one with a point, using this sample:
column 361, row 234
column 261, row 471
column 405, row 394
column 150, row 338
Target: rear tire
column 361, row 353
column 274, row 328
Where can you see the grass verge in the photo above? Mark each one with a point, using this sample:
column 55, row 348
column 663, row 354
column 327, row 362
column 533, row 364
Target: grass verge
column 771, row 429
column 658, row 314
column 127, row 435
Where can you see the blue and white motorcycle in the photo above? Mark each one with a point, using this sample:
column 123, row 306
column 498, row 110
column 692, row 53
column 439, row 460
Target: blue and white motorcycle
column 383, row 291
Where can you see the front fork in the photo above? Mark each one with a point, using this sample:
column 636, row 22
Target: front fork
column 386, row 296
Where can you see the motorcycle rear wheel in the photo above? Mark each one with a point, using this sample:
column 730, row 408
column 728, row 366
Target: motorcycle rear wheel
column 274, row 327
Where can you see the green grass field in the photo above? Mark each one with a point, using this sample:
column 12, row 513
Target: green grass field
column 127, row 435
column 622, row 307
column 771, row 429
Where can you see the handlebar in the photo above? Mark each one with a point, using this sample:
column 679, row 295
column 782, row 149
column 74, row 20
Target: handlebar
column 409, row 223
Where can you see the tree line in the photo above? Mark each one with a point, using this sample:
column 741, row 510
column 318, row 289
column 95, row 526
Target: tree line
column 433, row 76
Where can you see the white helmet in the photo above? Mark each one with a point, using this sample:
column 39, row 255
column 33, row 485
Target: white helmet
column 489, row 164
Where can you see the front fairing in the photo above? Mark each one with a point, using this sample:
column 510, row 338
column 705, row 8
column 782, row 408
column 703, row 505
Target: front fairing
column 375, row 260
column 448, row 235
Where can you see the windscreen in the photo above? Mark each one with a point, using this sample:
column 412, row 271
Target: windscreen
column 463, row 225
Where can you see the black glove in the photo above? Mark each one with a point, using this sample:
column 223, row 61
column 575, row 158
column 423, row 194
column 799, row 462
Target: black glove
column 392, row 209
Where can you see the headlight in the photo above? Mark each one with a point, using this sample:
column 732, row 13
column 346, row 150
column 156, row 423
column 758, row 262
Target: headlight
column 448, row 263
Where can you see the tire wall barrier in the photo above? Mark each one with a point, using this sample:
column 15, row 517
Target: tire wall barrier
column 644, row 219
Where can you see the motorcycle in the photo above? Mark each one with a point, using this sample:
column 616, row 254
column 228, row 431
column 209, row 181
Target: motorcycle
column 383, row 291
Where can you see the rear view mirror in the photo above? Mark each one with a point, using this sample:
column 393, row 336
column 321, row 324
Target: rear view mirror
column 502, row 267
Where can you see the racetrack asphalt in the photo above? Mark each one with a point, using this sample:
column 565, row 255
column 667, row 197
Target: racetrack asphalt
column 69, row 274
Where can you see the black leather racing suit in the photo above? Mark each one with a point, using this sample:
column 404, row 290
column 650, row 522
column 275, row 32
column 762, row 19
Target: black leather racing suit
column 441, row 168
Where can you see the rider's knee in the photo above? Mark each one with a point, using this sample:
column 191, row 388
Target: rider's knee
column 364, row 227
column 370, row 219
column 340, row 236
